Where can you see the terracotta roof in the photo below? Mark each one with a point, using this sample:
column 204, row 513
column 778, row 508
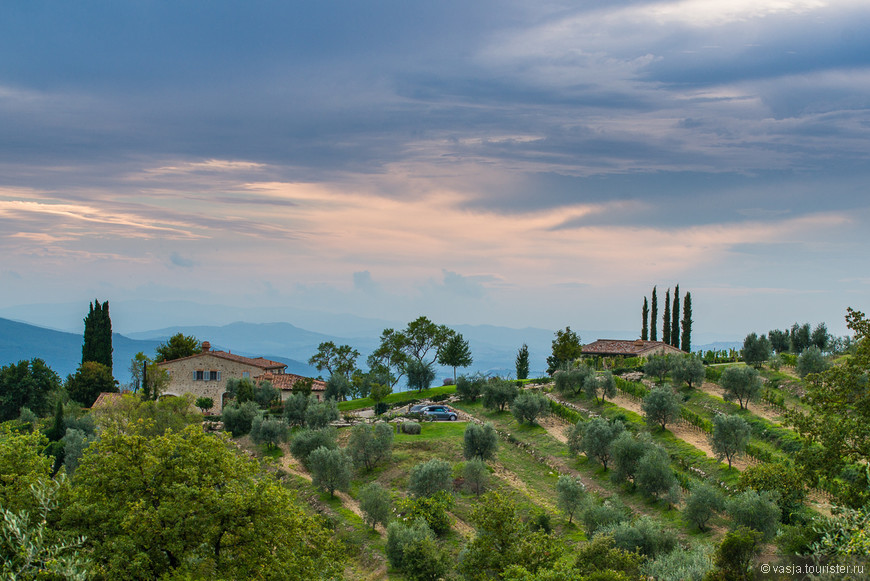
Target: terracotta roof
column 107, row 399
column 285, row 381
column 631, row 348
column 260, row 362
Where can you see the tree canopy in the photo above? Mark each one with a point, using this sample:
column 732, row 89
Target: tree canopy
column 455, row 353
column 89, row 380
column 26, row 384
column 97, row 344
column 178, row 346
column 340, row 359
column 566, row 348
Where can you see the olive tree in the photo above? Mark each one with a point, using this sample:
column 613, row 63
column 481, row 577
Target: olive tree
column 597, row 439
column 476, row 475
column 571, row 492
column 660, row 407
column 498, row 393
column 374, row 501
column 654, row 475
column 811, row 361
column 602, row 384
column 427, row 478
column 330, row 469
column 479, row 441
column 704, row 501
column 688, row 369
column 528, row 405
column 269, row 431
column 730, row 436
column 370, row 445
column 657, row 366
column 741, row 383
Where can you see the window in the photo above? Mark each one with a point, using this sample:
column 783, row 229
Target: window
column 246, row 374
column 214, row 376
column 199, row 375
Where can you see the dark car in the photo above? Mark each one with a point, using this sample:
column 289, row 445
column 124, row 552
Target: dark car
column 439, row 412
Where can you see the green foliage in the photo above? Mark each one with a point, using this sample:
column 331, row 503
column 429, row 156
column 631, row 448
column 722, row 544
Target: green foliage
column 304, row 442
column 432, row 509
column 811, row 361
column 411, row 428
column 602, row 384
column 654, row 475
column 31, row 550
column 644, row 328
column 799, row 337
column 429, row 478
column 733, row 558
column 782, row 480
column 635, row 388
column 571, row 381
column 238, row 419
column 470, row 388
column 455, row 353
column 522, row 362
column 704, row 501
column 331, row 469
column 336, row 359
column 22, row 467
column 319, row 414
column 498, row 393
column 598, row 516
column 571, row 492
column 755, row 510
column 661, row 407
column 479, row 441
column 338, row 387
column 475, row 475
column 741, row 383
column 675, row 319
column 845, row 532
column 680, row 565
column 269, row 431
column 626, row 451
column 528, row 405
column 643, row 536
column 686, row 324
column 566, row 348
column 756, row 350
column 89, row 380
column 241, row 389
column 370, row 445
column 412, row 549
column 97, row 343
column 653, row 317
column 295, row 407
column 730, row 436
column 26, row 384
column 146, row 416
column 265, row 394
column 688, row 369
column 375, row 503
column 502, row 539
column 666, row 319
column 204, row 403
column 148, row 379
column 75, row 442
column 187, row 505
column 178, row 346
column 597, row 439
column 778, row 340
column 657, row 366
column 420, row 374
column 820, row 337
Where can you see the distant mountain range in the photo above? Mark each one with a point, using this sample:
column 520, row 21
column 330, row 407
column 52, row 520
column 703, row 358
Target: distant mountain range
column 494, row 348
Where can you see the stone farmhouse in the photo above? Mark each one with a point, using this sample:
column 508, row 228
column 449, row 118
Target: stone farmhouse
column 205, row 375
column 629, row 348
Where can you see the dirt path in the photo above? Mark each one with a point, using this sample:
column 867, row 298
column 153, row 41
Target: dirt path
column 290, row 464
column 758, row 409
column 556, row 428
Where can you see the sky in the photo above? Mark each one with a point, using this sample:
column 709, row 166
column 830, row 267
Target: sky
column 510, row 163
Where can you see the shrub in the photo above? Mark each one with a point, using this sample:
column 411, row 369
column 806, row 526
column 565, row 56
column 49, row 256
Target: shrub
column 680, row 565
column 780, row 479
column 330, row 469
column 661, row 406
column 713, row 374
column 413, row 550
column 269, row 431
column 369, row 445
column 643, row 536
column 756, row 511
column 400, row 535
column 479, row 441
column 475, row 475
column 704, row 501
column 320, row 414
column 811, row 361
column 596, row 516
column 374, row 501
column 204, row 403
column 412, row 428
column 528, row 405
column 469, row 389
column 498, row 393
column 306, row 441
column 295, row 407
column 430, row 477
column 238, row 418
column 733, row 559
column 571, row 492
column 433, row 510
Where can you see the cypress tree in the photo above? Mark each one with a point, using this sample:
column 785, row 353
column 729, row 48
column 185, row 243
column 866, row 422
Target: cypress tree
column 644, row 330
column 97, row 344
column 653, row 335
column 666, row 319
column 675, row 319
column 687, row 324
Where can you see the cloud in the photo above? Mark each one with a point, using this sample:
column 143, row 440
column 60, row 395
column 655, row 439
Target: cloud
column 176, row 259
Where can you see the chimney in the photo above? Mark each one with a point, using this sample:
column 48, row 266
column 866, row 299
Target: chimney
column 206, row 346
column 638, row 343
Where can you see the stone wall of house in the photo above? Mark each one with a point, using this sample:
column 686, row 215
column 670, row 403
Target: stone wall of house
column 181, row 376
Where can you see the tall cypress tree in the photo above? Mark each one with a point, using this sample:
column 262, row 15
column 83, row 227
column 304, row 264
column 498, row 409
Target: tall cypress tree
column 675, row 319
column 653, row 323
column 666, row 319
column 644, row 330
column 687, row 324
column 97, row 344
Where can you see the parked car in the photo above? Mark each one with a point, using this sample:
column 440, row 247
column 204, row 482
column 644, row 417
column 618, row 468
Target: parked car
column 440, row 412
